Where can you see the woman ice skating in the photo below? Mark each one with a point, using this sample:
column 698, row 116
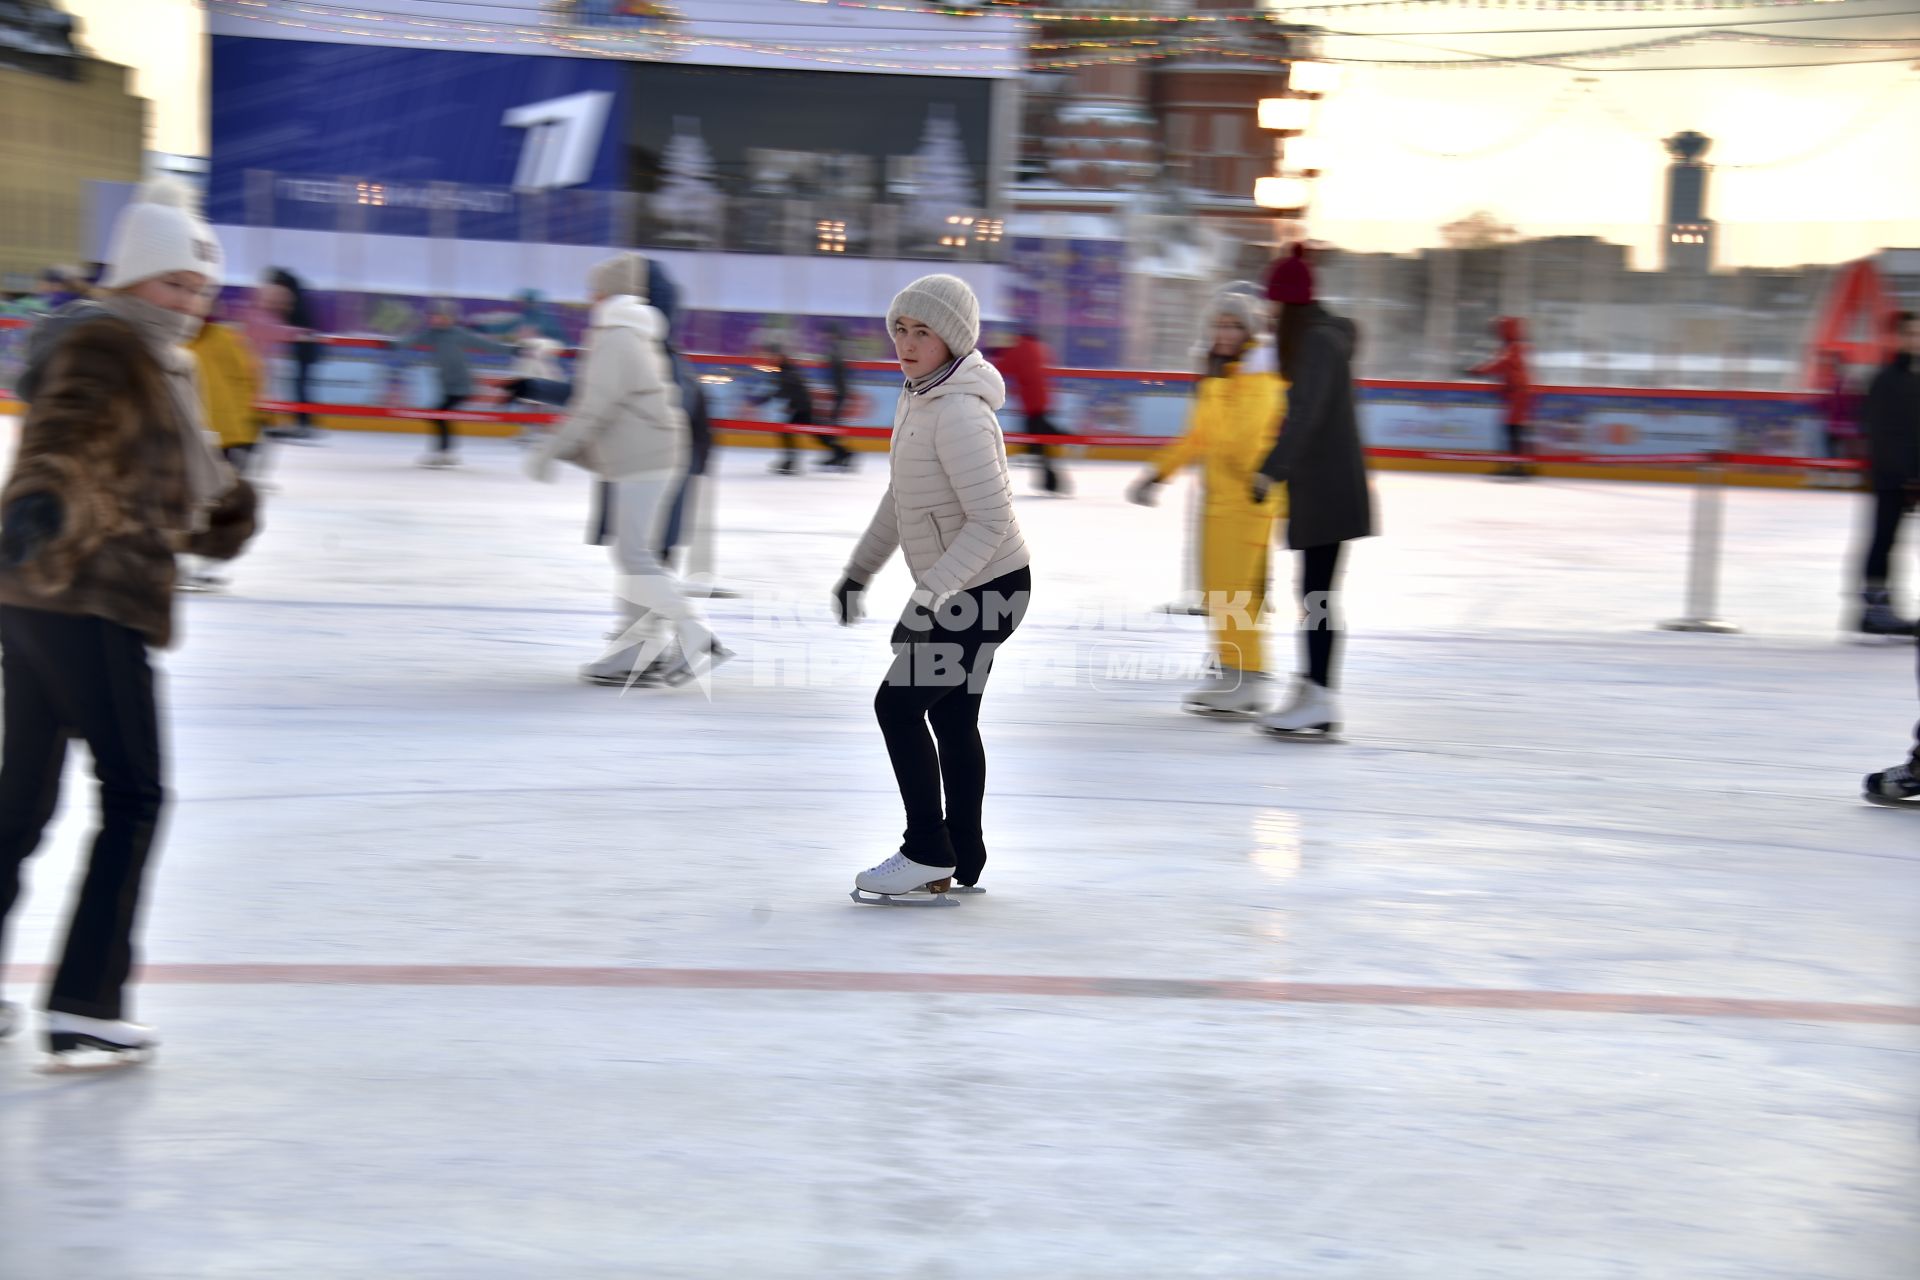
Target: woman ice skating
column 115, row 475
column 1319, row 458
column 1235, row 414
column 625, row 425
column 449, row 343
column 949, row 508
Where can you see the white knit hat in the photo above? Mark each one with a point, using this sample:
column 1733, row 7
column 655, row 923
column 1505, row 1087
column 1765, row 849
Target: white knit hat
column 161, row 231
column 621, row 275
column 945, row 305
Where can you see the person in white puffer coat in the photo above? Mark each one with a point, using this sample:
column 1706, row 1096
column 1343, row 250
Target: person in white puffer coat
column 949, row 508
column 625, row 424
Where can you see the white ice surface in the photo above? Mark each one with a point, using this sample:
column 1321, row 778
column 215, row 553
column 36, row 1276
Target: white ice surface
column 380, row 757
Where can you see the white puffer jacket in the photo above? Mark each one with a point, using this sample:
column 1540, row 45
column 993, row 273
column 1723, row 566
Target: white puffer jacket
column 625, row 417
column 949, row 503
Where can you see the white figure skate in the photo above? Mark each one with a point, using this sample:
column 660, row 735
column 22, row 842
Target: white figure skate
column 1312, row 714
column 1232, row 694
column 75, row 1043
column 902, row 882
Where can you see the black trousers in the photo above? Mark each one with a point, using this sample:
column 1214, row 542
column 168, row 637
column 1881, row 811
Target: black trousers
column 1319, row 626
column 305, row 356
column 1039, row 424
column 444, row 427
column 83, row 677
column 1517, row 440
column 1889, row 508
column 939, row 675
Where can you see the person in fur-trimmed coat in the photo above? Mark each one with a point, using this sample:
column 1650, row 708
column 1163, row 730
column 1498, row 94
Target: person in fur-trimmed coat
column 116, row 474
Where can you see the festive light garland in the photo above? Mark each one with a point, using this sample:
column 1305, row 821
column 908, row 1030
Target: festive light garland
column 1095, row 50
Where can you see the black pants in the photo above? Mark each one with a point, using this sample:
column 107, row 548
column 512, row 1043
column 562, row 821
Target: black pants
column 839, row 451
column 88, row 678
column 1889, row 508
column 1039, row 424
column 1517, row 439
column 305, row 356
column 1319, row 627
column 939, row 674
column 445, row 427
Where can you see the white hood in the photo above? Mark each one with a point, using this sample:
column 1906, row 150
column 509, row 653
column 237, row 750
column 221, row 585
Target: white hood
column 628, row 312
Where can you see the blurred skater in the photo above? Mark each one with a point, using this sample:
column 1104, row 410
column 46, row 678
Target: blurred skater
column 1511, row 368
column 229, row 384
column 448, row 344
column 1236, row 411
column 1028, row 366
column 1320, row 459
column 789, row 386
column 1892, row 418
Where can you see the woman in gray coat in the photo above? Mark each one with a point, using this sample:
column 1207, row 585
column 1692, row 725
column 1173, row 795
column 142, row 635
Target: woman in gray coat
column 1319, row 457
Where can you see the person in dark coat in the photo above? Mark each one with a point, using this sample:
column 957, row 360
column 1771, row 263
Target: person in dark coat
column 1319, row 457
column 839, row 384
column 789, row 386
column 1892, row 420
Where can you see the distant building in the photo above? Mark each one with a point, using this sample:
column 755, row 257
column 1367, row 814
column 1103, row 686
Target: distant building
column 70, row 119
column 1689, row 241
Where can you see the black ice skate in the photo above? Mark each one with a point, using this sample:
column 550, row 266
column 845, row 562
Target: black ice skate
column 10, row 1019
column 75, row 1043
column 1898, row 787
column 1877, row 617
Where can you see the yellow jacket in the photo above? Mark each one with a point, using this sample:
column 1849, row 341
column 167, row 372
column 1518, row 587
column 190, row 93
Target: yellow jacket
column 229, row 384
column 1235, row 421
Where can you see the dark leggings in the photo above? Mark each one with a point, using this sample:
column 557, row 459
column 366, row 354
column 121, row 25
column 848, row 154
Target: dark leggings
column 1517, row 440
column 444, row 427
column 73, row 676
column 1889, row 507
column 305, row 356
column 1319, row 627
column 939, row 673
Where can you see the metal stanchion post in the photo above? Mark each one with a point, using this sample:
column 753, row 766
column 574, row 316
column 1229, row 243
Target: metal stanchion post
column 1703, row 557
column 1192, row 600
column 701, row 582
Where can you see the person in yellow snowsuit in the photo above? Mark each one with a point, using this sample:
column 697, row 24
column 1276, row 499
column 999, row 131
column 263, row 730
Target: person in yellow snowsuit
column 1236, row 417
column 229, row 384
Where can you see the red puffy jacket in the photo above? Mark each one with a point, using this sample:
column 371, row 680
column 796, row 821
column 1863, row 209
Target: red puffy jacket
column 1510, row 369
column 1025, row 364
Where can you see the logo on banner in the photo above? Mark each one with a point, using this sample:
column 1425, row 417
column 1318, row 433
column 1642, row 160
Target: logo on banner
column 563, row 138
column 620, row 28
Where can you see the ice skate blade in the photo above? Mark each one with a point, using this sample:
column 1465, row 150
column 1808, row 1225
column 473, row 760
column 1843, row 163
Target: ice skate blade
column 71, row 1053
column 918, row 898
column 1218, row 713
column 1890, row 802
column 1314, row 733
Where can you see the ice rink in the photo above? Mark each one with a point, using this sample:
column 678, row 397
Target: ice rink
column 1580, row 959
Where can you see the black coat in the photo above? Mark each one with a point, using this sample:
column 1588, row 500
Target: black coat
column 1892, row 418
column 1318, row 455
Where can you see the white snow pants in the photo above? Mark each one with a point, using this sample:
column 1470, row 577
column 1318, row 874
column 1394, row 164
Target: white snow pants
column 646, row 592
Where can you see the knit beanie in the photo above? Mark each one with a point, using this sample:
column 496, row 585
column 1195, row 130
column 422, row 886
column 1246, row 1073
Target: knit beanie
column 945, row 305
column 1239, row 304
column 624, row 274
column 1291, row 280
column 159, row 232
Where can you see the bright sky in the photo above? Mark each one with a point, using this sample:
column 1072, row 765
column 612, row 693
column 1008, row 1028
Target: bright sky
column 1832, row 147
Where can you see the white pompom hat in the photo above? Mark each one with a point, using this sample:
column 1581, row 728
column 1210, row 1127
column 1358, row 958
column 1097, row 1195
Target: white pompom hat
column 161, row 231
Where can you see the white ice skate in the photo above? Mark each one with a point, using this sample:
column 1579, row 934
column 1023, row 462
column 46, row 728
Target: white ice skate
column 1231, row 694
column 75, row 1043
column 680, row 670
column 618, row 669
column 1898, row 788
column 902, row 882
column 439, row 460
column 1312, row 714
